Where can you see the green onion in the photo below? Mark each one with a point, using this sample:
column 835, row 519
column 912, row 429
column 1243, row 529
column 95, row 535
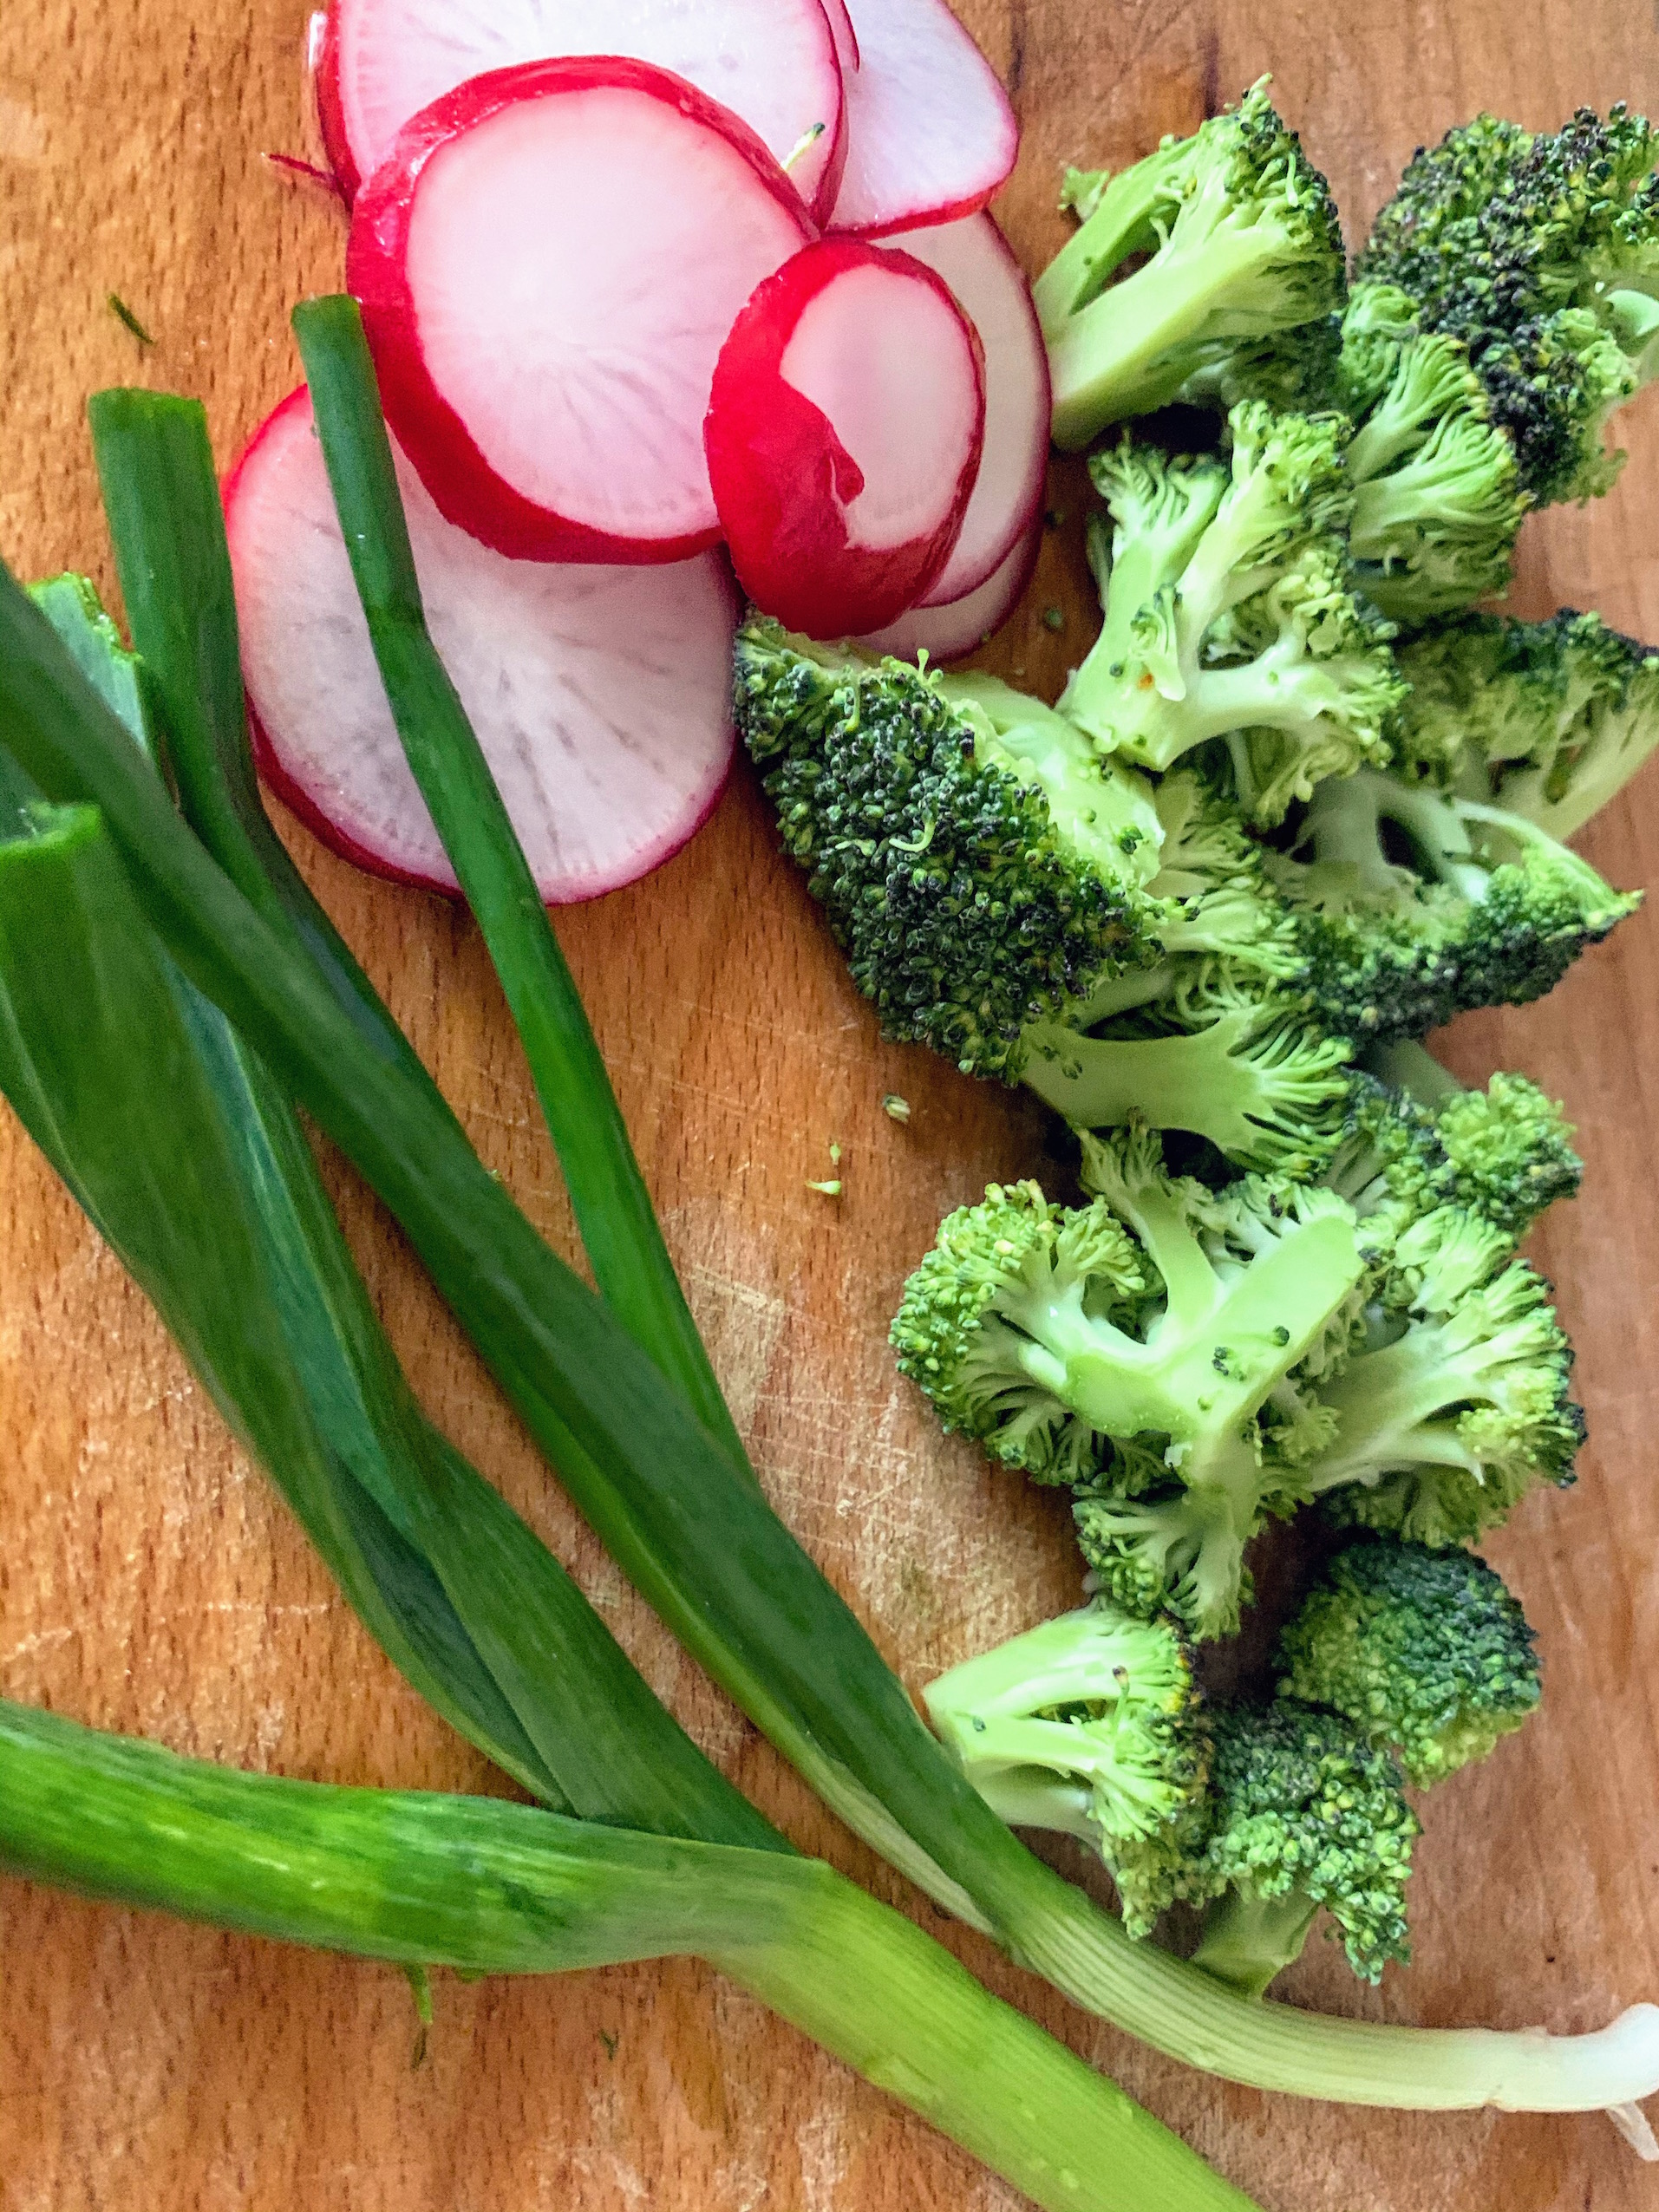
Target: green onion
column 486, row 1887
column 683, row 1519
column 169, row 539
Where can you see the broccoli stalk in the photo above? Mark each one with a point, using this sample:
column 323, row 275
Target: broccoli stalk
column 1548, row 720
column 1251, row 1074
column 1424, row 1651
column 1228, row 609
column 1307, row 1815
column 1243, row 244
column 1490, row 910
column 1540, row 254
column 1090, row 1725
column 1437, row 503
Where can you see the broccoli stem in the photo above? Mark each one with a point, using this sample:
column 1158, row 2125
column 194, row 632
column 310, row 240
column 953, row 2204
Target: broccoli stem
column 1110, row 359
column 493, row 1887
column 1345, row 825
column 1392, row 1405
column 1207, row 1081
column 1406, row 1066
column 1122, row 222
column 1249, row 1939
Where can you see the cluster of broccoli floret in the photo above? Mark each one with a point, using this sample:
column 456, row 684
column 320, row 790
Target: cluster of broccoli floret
column 1301, row 803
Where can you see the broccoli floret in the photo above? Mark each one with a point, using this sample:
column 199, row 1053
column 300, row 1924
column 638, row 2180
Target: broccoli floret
column 1437, row 500
column 979, row 866
column 1541, row 254
column 1415, row 905
column 1548, row 720
column 1416, row 1140
column 1243, row 244
column 1229, row 613
column 1150, row 1336
column 1458, row 1403
column 1089, row 1724
column 1306, row 1814
column 1423, row 1651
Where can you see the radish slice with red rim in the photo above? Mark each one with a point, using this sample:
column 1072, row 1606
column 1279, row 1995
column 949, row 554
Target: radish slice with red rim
column 548, row 263
column 989, row 287
column 841, row 30
column 843, row 435
column 601, row 696
column 774, row 62
column 948, row 633
column 930, row 133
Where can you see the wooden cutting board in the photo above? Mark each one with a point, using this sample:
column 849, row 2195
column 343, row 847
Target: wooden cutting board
column 150, row 1581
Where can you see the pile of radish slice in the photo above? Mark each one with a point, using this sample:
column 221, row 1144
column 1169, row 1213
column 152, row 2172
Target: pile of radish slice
column 731, row 287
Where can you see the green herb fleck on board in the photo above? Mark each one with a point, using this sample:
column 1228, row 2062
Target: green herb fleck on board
column 123, row 314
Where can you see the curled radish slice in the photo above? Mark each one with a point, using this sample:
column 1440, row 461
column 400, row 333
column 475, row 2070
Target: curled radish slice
column 772, row 61
column 947, row 633
column 548, row 263
column 841, row 30
column 843, row 435
column 930, row 133
column 989, row 287
column 601, row 696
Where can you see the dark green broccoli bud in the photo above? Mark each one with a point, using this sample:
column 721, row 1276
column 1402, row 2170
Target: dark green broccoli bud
column 1241, row 1065
column 1459, row 1404
column 1091, row 1725
column 1229, row 609
column 1243, row 243
column 979, row 866
column 1423, row 1651
column 1415, row 906
column 1437, row 502
column 1306, row 1814
column 1548, row 720
column 1150, row 1335
column 1294, row 372
column 1416, row 1140
column 1540, row 252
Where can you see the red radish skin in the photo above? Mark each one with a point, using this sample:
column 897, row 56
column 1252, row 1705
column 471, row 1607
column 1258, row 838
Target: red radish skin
column 843, row 435
column 950, row 633
column 546, row 330
column 989, row 287
column 601, row 696
column 773, row 62
column 846, row 39
column 929, row 133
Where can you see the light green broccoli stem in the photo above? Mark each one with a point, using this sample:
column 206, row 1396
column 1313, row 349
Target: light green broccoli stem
column 1345, row 827
column 1121, row 219
column 1395, row 1408
column 1112, row 358
column 1249, row 1939
column 1255, row 1086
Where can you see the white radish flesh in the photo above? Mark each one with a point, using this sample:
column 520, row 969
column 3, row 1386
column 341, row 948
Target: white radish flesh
column 989, row 287
column 947, row 633
column 772, row 61
column 930, row 133
column 843, row 435
column 601, row 696
column 548, row 266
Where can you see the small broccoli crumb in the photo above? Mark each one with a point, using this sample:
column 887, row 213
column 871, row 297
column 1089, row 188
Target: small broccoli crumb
column 124, row 314
column 895, row 1108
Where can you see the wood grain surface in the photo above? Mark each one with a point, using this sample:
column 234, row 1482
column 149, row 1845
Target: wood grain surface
column 150, row 1580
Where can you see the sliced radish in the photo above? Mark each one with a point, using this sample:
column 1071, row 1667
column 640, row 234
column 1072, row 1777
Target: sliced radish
column 772, row 61
column 602, row 697
column 947, row 633
column 989, row 287
column 841, row 30
column 548, row 263
column 843, row 435
column 930, row 133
